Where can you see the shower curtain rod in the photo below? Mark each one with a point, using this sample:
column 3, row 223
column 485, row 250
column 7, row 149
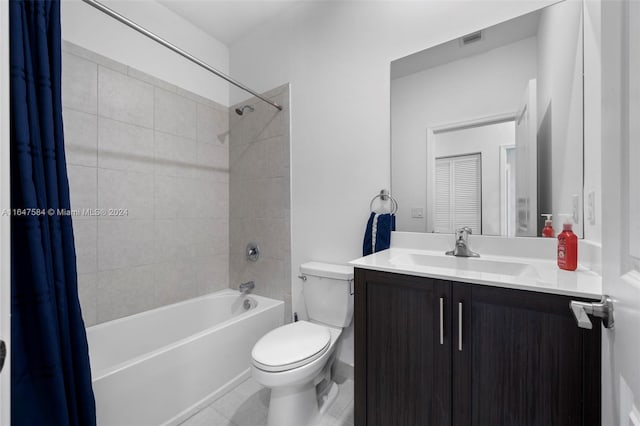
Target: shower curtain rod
column 101, row 7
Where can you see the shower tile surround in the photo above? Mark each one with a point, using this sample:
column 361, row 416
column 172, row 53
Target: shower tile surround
column 259, row 196
column 139, row 143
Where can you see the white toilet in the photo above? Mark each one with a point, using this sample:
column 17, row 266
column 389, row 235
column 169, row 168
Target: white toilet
column 295, row 360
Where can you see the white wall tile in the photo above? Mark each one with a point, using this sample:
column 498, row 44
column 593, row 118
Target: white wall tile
column 175, row 281
column 215, row 201
column 80, row 137
column 123, row 292
column 277, row 197
column 277, row 153
column 219, row 240
column 79, row 84
column 212, row 273
column 241, row 232
column 85, row 233
column 259, row 194
column 123, row 146
column 125, row 243
column 174, row 240
column 274, row 233
column 139, row 143
column 247, row 197
column 249, row 161
column 124, row 98
column 83, row 187
column 172, row 197
column 212, row 162
column 212, row 124
column 133, row 191
column 206, row 229
column 175, row 155
column 174, row 114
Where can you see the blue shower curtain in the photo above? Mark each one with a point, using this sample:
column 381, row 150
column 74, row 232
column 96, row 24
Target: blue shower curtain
column 50, row 375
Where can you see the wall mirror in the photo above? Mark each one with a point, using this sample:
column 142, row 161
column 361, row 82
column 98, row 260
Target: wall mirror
column 487, row 129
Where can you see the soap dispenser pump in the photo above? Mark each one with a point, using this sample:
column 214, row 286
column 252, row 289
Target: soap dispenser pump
column 548, row 231
column 567, row 246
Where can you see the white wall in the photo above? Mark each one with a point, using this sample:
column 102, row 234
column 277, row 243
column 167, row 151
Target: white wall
column 487, row 141
column 479, row 86
column 592, row 117
column 336, row 56
column 87, row 27
column 560, row 106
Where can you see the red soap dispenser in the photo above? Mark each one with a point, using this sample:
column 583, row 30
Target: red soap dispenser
column 548, row 231
column 567, row 247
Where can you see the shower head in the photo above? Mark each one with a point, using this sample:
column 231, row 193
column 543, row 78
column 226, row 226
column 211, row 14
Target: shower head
column 240, row 111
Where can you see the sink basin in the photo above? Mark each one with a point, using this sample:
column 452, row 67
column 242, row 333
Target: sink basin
column 473, row 264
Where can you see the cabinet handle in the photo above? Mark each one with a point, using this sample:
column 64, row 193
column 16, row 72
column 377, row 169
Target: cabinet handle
column 442, row 320
column 460, row 326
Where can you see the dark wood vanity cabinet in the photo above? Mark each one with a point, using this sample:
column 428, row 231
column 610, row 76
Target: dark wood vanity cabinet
column 502, row 356
column 402, row 370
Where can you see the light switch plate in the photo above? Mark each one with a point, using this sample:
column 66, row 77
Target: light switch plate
column 417, row 212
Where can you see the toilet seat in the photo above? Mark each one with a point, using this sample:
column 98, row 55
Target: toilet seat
column 291, row 346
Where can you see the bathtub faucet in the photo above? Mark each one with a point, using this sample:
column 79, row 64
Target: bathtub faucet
column 247, row 287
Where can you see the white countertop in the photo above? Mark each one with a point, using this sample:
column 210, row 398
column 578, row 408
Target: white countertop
column 547, row 278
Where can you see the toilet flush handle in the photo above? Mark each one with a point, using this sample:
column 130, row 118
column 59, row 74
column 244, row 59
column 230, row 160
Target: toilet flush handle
column 351, row 284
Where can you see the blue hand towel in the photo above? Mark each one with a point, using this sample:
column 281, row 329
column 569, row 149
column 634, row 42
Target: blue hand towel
column 377, row 236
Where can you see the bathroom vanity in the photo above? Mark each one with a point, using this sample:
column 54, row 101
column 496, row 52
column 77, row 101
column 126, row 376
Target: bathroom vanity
column 459, row 344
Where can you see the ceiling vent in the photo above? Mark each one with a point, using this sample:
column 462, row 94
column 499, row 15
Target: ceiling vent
column 471, row 38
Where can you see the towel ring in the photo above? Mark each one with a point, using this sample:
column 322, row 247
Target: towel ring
column 384, row 196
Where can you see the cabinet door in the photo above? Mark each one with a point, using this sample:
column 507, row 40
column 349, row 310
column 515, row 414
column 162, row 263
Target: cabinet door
column 402, row 360
column 524, row 361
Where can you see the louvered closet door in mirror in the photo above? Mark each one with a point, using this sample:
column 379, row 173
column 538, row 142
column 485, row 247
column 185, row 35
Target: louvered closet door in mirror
column 458, row 193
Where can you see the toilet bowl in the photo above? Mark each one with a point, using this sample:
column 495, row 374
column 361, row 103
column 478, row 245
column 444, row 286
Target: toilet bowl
column 295, row 360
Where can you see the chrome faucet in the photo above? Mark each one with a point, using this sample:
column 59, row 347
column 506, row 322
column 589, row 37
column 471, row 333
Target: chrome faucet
column 247, row 287
column 462, row 245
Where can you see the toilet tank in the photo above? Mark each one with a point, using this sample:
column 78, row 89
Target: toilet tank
column 327, row 292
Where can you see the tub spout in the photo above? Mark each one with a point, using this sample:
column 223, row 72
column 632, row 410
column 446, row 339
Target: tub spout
column 247, row 287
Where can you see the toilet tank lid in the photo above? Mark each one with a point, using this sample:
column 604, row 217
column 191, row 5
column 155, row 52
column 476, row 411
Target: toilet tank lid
column 327, row 270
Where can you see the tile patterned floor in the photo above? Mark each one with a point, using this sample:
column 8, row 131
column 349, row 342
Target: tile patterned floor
column 246, row 405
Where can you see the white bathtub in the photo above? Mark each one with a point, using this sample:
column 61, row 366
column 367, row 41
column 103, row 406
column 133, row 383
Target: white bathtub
column 160, row 366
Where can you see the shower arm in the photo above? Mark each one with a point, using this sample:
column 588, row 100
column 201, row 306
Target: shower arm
column 123, row 19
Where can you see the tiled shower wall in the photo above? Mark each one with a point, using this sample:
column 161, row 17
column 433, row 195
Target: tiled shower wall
column 138, row 143
column 260, row 196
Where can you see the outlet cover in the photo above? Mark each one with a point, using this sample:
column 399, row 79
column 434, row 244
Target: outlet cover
column 417, row 212
column 591, row 208
column 575, row 202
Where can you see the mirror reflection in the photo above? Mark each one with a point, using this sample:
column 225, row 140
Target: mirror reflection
column 487, row 129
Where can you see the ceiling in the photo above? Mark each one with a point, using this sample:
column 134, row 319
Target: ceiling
column 228, row 20
column 498, row 35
